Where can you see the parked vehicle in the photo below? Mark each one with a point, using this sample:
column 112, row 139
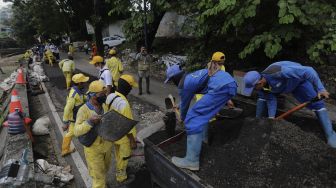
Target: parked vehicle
column 112, row 41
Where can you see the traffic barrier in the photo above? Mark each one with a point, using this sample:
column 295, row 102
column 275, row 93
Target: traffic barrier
column 20, row 78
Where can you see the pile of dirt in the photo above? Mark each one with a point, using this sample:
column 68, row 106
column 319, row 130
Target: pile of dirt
column 266, row 153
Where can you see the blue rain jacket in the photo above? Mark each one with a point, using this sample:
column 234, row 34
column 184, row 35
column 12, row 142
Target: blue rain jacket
column 191, row 84
column 290, row 77
column 221, row 88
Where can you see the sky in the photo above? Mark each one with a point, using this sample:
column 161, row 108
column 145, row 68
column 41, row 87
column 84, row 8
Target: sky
column 3, row 4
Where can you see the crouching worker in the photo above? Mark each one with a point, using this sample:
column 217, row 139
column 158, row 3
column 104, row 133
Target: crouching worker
column 290, row 77
column 96, row 149
column 218, row 88
column 75, row 100
column 68, row 67
column 117, row 101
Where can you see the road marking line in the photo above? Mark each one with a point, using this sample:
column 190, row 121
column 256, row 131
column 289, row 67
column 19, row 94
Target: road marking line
column 75, row 156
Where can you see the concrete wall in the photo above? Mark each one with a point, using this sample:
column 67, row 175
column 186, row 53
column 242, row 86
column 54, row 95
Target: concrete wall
column 114, row 28
column 173, row 25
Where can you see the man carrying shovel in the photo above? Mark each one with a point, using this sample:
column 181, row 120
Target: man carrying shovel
column 290, row 77
column 117, row 101
column 218, row 88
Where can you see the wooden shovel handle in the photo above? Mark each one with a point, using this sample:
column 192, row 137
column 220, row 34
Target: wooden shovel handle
column 296, row 108
column 29, row 132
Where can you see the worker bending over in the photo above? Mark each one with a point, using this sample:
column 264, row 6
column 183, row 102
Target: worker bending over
column 75, row 100
column 218, row 88
column 104, row 73
column 115, row 66
column 68, row 67
column 49, row 57
column 117, row 101
column 290, row 77
column 97, row 150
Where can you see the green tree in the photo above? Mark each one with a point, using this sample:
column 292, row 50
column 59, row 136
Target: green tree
column 277, row 26
column 23, row 27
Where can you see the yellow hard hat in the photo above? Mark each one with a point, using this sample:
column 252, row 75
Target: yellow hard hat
column 112, row 52
column 97, row 59
column 96, row 86
column 218, row 56
column 80, row 78
column 129, row 79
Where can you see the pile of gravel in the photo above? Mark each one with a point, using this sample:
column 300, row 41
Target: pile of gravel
column 265, row 153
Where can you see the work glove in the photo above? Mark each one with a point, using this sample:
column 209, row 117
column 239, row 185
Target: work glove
column 95, row 119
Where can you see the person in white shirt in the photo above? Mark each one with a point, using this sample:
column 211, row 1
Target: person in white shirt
column 104, row 73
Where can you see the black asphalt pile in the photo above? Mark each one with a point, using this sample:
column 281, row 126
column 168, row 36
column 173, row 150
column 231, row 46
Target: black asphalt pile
column 264, row 153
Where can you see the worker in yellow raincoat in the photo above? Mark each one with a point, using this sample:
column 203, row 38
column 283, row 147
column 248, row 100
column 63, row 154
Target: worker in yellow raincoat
column 75, row 100
column 117, row 101
column 27, row 55
column 71, row 49
column 115, row 66
column 97, row 150
column 49, row 57
column 68, row 67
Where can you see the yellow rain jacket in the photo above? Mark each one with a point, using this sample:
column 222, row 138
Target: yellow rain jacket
column 27, row 55
column 118, row 102
column 116, row 67
column 71, row 49
column 74, row 101
column 67, row 65
column 98, row 154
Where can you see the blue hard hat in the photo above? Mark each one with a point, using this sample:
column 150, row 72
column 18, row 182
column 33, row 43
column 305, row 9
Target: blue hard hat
column 172, row 71
column 251, row 78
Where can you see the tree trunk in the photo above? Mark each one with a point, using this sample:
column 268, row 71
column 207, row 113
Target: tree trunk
column 153, row 28
column 99, row 39
column 98, row 27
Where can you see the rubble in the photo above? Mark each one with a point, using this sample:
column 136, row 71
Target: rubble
column 56, row 171
column 36, row 73
column 9, row 82
column 41, row 126
column 265, row 153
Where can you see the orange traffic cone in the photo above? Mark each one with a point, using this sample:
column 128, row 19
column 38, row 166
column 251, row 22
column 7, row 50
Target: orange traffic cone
column 15, row 102
column 20, row 78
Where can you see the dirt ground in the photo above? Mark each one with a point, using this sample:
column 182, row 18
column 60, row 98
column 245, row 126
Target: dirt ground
column 258, row 153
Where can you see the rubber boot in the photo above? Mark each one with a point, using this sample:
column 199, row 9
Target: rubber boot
column 66, row 146
column 191, row 160
column 147, row 86
column 140, row 86
column 325, row 121
column 261, row 108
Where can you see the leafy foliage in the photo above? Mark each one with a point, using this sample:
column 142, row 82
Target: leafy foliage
column 261, row 24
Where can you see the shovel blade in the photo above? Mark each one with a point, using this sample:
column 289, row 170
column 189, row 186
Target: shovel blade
column 114, row 126
column 230, row 113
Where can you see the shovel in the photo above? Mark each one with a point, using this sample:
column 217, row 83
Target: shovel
column 298, row 107
column 172, row 104
column 114, row 126
column 230, row 113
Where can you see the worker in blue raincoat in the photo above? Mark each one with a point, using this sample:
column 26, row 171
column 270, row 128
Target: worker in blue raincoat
column 290, row 77
column 218, row 88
